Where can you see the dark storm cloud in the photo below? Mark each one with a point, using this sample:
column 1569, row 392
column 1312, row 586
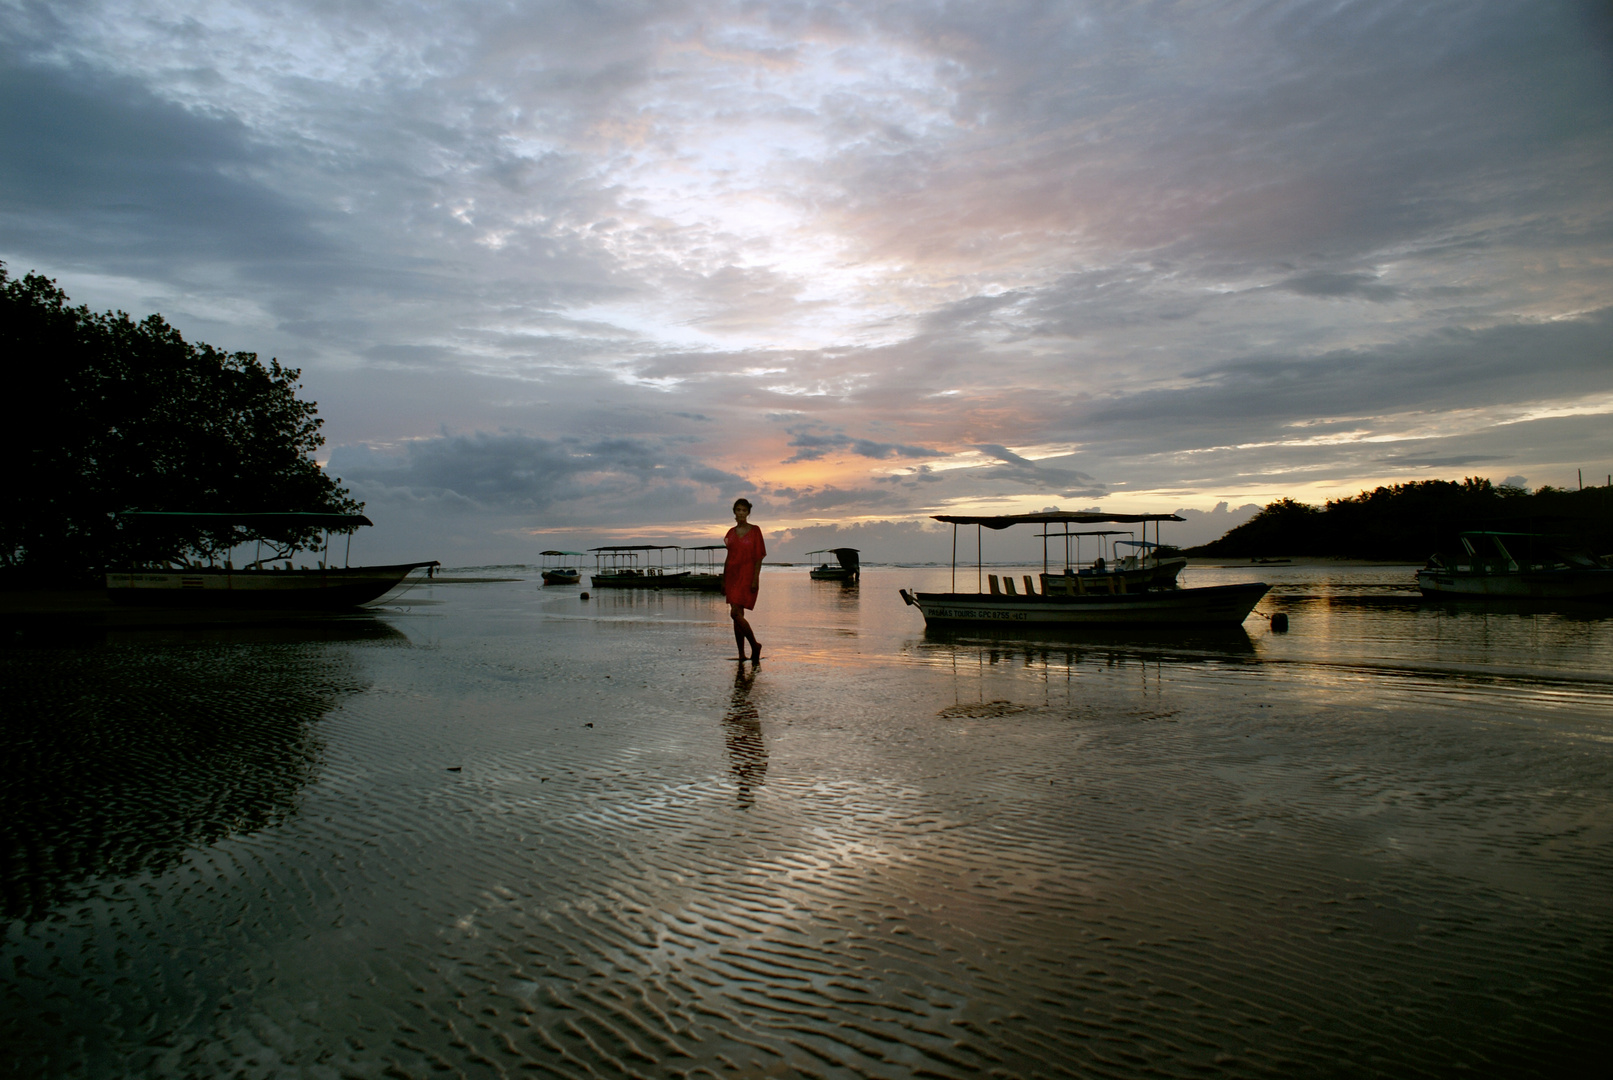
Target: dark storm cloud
column 812, row 446
column 1336, row 285
column 1450, row 369
column 1069, row 483
column 924, row 474
column 96, row 163
column 1203, row 244
column 839, row 500
column 1432, row 461
column 515, row 472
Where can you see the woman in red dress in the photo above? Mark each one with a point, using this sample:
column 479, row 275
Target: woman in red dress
column 742, row 575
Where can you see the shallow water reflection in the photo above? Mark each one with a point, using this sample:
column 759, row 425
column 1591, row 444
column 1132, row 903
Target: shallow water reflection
column 742, row 724
column 122, row 757
column 563, row 837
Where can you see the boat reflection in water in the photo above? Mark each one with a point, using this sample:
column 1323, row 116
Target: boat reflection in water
column 1143, row 639
column 124, row 756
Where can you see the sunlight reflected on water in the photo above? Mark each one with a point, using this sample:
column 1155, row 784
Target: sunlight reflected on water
column 504, row 829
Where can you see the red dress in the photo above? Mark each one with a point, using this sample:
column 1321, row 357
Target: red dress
column 745, row 554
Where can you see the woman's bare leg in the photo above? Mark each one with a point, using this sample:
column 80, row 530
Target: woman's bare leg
column 741, row 628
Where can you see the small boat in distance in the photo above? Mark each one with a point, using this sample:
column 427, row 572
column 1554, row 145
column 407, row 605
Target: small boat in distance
column 562, row 570
column 263, row 583
column 1547, row 570
column 1065, row 600
column 616, row 566
column 848, row 570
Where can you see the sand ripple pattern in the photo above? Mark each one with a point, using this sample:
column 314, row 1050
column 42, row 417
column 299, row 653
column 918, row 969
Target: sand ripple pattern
column 597, row 851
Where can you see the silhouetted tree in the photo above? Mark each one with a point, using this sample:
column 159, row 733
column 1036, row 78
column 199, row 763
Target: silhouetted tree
column 1412, row 521
column 111, row 415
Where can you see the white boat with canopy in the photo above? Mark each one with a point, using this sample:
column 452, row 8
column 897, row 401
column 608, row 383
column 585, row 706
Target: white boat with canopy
column 560, row 567
column 1076, row 596
column 848, row 568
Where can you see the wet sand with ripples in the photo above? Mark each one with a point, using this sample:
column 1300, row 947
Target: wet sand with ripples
column 495, row 830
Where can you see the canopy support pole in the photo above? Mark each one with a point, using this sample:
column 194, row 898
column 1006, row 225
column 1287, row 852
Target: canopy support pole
column 980, row 560
column 954, row 556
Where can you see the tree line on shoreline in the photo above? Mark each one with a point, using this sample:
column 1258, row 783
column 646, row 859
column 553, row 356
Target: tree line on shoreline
column 112, row 415
column 1409, row 522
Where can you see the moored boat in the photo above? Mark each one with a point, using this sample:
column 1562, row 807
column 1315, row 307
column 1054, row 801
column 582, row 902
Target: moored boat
column 617, row 566
column 1142, row 569
column 848, row 566
column 1546, row 570
column 1214, row 604
column 702, row 572
column 263, row 583
column 559, row 568
column 1074, row 598
column 306, row 588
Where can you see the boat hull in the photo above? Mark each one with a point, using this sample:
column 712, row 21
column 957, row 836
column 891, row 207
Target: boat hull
column 561, row 577
column 701, row 582
column 637, row 581
column 1214, row 605
column 833, row 573
column 1519, row 585
column 322, row 589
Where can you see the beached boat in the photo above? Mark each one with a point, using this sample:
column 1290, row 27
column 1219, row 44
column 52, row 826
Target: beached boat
column 848, row 568
column 262, row 583
column 1065, row 599
column 559, row 568
column 1547, row 570
column 617, row 566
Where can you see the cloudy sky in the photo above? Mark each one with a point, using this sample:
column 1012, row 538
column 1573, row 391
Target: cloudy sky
column 568, row 272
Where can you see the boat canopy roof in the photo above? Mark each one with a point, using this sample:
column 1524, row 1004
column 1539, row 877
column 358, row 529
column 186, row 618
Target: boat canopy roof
column 1087, row 517
column 833, row 551
column 266, row 521
column 708, row 547
column 1491, row 532
column 552, row 552
column 1092, row 532
column 636, row 547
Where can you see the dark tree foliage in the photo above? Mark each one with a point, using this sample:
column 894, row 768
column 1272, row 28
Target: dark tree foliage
column 1410, row 522
column 112, row 415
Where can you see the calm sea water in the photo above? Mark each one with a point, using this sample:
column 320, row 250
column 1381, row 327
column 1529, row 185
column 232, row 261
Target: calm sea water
column 498, row 831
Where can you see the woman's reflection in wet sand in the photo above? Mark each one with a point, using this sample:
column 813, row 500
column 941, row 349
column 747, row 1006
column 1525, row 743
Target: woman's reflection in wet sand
column 742, row 726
